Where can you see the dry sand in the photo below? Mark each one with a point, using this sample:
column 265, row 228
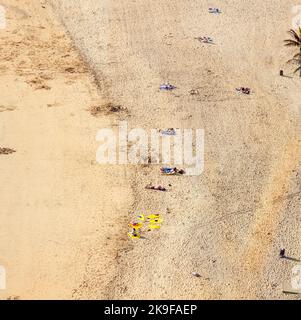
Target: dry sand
column 56, row 201
column 64, row 217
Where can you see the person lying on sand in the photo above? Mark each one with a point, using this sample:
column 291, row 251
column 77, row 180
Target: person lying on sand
column 214, row 10
column 167, row 86
column 244, row 90
column 159, row 188
column 205, row 40
column 168, row 132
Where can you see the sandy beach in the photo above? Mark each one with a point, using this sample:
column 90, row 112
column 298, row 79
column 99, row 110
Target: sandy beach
column 64, row 217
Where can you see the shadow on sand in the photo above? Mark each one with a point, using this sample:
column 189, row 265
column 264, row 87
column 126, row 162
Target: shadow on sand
column 291, row 259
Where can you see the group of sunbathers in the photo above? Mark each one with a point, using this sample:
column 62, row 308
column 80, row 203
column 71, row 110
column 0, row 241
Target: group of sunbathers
column 209, row 39
column 171, row 131
column 165, row 171
column 154, row 222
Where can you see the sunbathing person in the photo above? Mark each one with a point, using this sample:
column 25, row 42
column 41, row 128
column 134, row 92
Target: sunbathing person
column 244, row 90
column 214, row 10
column 159, row 188
column 168, row 132
column 167, row 86
column 150, row 186
column 179, row 171
column 205, row 40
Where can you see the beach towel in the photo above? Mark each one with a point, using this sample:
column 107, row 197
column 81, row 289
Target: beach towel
column 154, row 226
column 168, row 170
column 153, row 216
column 156, row 220
column 134, row 236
